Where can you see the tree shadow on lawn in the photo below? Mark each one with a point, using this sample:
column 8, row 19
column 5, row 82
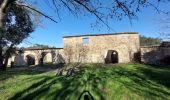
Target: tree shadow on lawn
column 145, row 82
column 95, row 80
column 26, row 70
column 59, row 88
column 160, row 75
column 12, row 73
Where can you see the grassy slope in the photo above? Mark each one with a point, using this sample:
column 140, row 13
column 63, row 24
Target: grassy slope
column 122, row 81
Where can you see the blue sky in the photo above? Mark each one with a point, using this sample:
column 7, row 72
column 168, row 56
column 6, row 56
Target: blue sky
column 51, row 33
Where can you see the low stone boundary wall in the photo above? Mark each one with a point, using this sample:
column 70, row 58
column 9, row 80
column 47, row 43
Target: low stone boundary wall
column 154, row 54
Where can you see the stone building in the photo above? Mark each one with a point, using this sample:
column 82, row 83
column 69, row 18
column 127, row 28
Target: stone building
column 96, row 48
column 102, row 48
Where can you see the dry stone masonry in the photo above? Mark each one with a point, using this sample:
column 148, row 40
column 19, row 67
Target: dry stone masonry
column 95, row 48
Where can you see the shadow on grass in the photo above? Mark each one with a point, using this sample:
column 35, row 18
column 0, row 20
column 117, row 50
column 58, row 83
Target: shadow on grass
column 92, row 83
column 27, row 70
column 59, row 88
column 146, row 81
column 160, row 75
column 12, row 73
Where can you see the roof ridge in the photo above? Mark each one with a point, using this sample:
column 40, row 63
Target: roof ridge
column 101, row 34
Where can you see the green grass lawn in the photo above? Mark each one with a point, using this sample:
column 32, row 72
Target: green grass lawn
column 100, row 82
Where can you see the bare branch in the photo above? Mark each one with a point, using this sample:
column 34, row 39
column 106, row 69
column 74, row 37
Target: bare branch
column 93, row 12
column 46, row 16
column 66, row 5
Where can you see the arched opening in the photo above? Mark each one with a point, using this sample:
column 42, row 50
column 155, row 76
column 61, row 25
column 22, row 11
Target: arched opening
column 47, row 58
column 30, row 59
column 19, row 60
column 111, row 57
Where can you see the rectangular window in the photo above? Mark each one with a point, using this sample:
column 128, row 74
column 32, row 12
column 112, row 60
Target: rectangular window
column 86, row 40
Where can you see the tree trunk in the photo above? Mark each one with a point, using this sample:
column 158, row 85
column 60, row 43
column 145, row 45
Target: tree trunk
column 1, row 60
column 6, row 61
column 1, row 35
column 2, row 16
column 3, row 6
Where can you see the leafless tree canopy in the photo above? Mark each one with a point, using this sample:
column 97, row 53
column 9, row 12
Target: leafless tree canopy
column 76, row 53
column 103, row 10
column 163, row 24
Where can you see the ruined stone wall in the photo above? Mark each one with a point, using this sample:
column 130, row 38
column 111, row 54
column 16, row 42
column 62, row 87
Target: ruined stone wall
column 154, row 54
column 51, row 56
column 126, row 45
column 96, row 50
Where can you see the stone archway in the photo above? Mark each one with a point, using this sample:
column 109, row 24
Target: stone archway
column 19, row 60
column 47, row 58
column 30, row 59
column 112, row 57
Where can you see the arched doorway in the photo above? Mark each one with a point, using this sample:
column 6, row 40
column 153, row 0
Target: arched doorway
column 112, row 56
column 30, row 59
column 47, row 58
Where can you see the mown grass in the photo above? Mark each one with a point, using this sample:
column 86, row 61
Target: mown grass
column 94, row 81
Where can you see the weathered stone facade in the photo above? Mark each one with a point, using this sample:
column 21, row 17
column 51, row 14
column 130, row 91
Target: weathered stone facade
column 33, row 56
column 155, row 54
column 98, row 48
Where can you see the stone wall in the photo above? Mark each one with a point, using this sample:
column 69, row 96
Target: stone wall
column 50, row 56
column 154, row 54
column 96, row 50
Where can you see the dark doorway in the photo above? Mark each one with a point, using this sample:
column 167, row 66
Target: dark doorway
column 41, row 60
column 30, row 59
column 112, row 57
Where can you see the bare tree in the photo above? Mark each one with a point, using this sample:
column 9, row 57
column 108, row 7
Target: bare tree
column 102, row 10
column 76, row 53
column 68, row 52
column 163, row 24
column 74, row 56
column 81, row 53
